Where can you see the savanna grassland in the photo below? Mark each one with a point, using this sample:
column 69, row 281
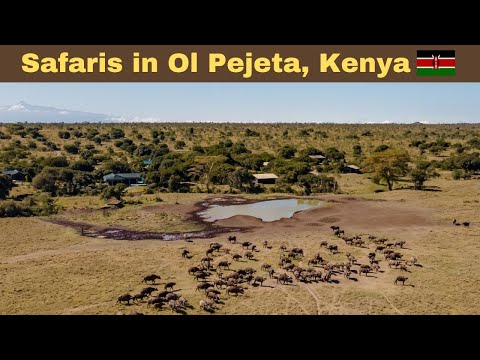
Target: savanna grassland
column 48, row 267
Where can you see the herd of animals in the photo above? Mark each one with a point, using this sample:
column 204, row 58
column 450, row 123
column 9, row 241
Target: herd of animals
column 219, row 280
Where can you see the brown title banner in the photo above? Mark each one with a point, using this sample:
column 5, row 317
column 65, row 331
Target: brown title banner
column 237, row 63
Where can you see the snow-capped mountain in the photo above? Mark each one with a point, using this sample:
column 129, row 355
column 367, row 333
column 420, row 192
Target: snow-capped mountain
column 23, row 112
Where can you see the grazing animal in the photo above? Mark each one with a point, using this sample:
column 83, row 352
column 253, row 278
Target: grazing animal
column 284, row 278
column 265, row 243
column 124, row 297
column 466, row 224
column 214, row 245
column 333, row 227
column 211, row 295
column 246, row 244
column 185, row 253
column 148, row 290
column 403, row 267
column 332, row 248
column 400, row 243
column 154, row 300
column 193, row 270
column 220, row 283
column 364, row 269
column 401, row 279
column 283, row 248
column 234, row 290
column 169, row 285
column 248, row 255
column 209, row 252
column 201, row 275
column 266, row 267
column 347, row 273
column 163, row 294
column 271, row 272
column 140, row 297
column 232, row 239
column 376, row 267
column 173, row 305
column 204, row 305
column 411, row 261
column 224, row 264
column 171, row 296
column 158, row 306
column 259, row 279
column 454, row 221
column 151, row 278
column 380, row 248
column 236, row 257
column 182, row 301
column 204, row 286
column 324, row 244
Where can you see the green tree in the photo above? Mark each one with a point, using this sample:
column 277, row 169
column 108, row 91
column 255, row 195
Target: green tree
column 418, row 177
column 240, row 179
column 388, row 165
column 5, row 186
column 357, row 150
column 287, row 152
column 116, row 192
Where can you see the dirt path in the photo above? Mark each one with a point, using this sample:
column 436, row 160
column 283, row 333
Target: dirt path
column 315, row 297
column 290, row 296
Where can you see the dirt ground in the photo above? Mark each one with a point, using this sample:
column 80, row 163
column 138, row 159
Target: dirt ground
column 47, row 268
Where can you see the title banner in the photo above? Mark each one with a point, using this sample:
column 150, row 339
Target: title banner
column 237, row 63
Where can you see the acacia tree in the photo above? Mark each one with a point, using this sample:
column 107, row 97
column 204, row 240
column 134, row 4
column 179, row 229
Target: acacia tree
column 388, row 165
column 240, row 179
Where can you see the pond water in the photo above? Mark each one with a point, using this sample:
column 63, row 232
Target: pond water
column 267, row 211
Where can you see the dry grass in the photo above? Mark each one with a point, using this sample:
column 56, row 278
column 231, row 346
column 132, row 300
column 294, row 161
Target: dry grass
column 49, row 269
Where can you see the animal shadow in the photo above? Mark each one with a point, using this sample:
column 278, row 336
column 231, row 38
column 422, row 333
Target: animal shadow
column 210, row 310
column 353, row 279
column 180, row 311
column 419, row 265
column 335, row 281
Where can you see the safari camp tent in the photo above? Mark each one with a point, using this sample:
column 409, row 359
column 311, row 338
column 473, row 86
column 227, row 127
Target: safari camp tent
column 125, row 178
column 265, row 178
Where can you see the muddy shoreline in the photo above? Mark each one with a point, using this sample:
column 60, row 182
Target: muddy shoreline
column 209, row 229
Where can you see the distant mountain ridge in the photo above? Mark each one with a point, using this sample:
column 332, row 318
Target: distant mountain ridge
column 24, row 112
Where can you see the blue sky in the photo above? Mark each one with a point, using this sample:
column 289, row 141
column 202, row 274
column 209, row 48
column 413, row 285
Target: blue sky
column 259, row 102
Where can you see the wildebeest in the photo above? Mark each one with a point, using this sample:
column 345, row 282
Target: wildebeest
column 248, row 255
column 151, row 278
column 380, row 248
column 205, row 305
column 158, row 305
column 137, row 297
column 204, row 286
column 185, row 253
column 201, row 275
column 334, row 227
column 332, row 248
column 171, row 296
column 235, row 290
column 163, row 294
column 148, row 290
column 215, row 297
column 284, row 278
column 220, row 283
column 364, row 269
column 173, row 305
column 400, row 243
column 283, row 248
column 266, row 267
column 209, row 252
column 193, row 270
column 271, row 272
column 259, row 279
column 236, row 257
column 466, row 224
column 169, row 285
column 411, row 261
column 154, row 300
column 401, row 279
column 232, row 239
column 246, row 244
column 347, row 273
column 324, row 244
column 265, row 243
column 124, row 297
column 223, row 264
column 376, row 267
column 216, row 246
